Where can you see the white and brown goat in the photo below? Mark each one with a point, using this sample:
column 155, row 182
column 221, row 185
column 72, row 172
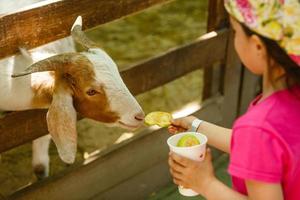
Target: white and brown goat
column 87, row 82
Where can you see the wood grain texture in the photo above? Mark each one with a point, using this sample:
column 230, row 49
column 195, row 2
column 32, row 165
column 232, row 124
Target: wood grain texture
column 141, row 185
column 18, row 128
column 216, row 20
column 40, row 25
column 176, row 63
column 138, row 78
column 251, row 86
column 218, row 17
column 232, row 85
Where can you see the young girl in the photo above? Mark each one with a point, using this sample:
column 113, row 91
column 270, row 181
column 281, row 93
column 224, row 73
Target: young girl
column 264, row 144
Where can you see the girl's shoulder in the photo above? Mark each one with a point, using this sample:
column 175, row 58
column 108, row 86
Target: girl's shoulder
column 282, row 108
column 277, row 117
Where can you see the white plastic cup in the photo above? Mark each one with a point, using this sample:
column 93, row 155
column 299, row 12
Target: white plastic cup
column 196, row 153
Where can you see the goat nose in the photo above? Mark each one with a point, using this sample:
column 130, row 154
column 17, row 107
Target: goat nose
column 140, row 116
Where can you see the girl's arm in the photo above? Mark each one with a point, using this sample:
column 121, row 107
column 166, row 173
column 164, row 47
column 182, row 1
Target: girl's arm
column 218, row 136
column 256, row 191
column 217, row 190
column 264, row 191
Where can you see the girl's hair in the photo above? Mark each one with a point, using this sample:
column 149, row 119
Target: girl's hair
column 292, row 70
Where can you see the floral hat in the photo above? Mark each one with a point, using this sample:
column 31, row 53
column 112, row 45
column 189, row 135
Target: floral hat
column 278, row 20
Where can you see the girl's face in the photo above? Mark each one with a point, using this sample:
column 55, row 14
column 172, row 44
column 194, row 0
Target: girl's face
column 250, row 49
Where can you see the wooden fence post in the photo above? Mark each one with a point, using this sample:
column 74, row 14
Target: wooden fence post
column 213, row 78
column 251, row 86
column 232, row 84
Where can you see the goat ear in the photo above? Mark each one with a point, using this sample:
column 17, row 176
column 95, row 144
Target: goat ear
column 61, row 120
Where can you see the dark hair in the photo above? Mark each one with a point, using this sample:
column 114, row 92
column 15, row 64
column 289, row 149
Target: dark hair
column 292, row 70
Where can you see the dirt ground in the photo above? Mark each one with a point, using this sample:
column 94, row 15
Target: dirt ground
column 128, row 40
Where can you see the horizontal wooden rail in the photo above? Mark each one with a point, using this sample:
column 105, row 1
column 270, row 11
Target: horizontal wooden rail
column 18, row 128
column 177, row 62
column 104, row 177
column 139, row 78
column 53, row 20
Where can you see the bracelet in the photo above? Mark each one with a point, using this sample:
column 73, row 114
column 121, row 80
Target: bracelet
column 195, row 125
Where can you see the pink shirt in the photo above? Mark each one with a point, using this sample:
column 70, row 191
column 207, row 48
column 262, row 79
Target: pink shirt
column 265, row 144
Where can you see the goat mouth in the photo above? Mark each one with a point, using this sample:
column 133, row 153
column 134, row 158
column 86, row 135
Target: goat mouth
column 128, row 126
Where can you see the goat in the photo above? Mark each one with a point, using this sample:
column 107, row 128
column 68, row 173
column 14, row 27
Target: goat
column 87, row 82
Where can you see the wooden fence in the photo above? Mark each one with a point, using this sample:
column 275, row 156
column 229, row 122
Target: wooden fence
column 227, row 90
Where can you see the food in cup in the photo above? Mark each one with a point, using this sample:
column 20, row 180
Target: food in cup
column 159, row 118
column 188, row 140
column 195, row 152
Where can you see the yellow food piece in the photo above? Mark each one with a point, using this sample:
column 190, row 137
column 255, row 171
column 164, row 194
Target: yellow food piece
column 162, row 119
column 188, row 141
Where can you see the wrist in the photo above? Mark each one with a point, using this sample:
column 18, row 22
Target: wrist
column 209, row 187
column 195, row 124
column 188, row 121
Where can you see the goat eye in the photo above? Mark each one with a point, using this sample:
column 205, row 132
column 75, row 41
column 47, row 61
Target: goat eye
column 91, row 92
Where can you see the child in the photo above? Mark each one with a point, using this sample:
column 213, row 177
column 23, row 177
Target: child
column 264, row 144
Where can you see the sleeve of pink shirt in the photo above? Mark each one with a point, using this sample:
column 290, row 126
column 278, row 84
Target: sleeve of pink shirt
column 256, row 155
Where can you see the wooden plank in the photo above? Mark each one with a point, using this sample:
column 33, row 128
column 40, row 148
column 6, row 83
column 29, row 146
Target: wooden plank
column 53, row 20
column 139, row 78
column 176, row 63
column 217, row 15
column 251, row 86
column 141, row 185
column 20, row 127
column 2, row 197
column 217, row 78
column 113, row 167
column 217, row 19
column 232, row 84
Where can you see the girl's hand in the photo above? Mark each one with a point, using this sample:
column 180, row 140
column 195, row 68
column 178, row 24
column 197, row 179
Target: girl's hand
column 192, row 174
column 181, row 124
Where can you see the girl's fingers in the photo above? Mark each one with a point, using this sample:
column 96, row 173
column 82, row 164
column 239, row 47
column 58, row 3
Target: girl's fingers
column 176, row 174
column 184, row 162
column 175, row 166
column 181, row 129
column 184, row 122
column 177, row 122
column 180, row 182
column 208, row 154
column 172, row 129
column 175, row 129
column 177, row 181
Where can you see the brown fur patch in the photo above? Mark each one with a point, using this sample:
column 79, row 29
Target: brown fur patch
column 43, row 90
column 95, row 107
column 80, row 76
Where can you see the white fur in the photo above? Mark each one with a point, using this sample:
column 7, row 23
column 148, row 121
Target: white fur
column 40, row 155
column 119, row 96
